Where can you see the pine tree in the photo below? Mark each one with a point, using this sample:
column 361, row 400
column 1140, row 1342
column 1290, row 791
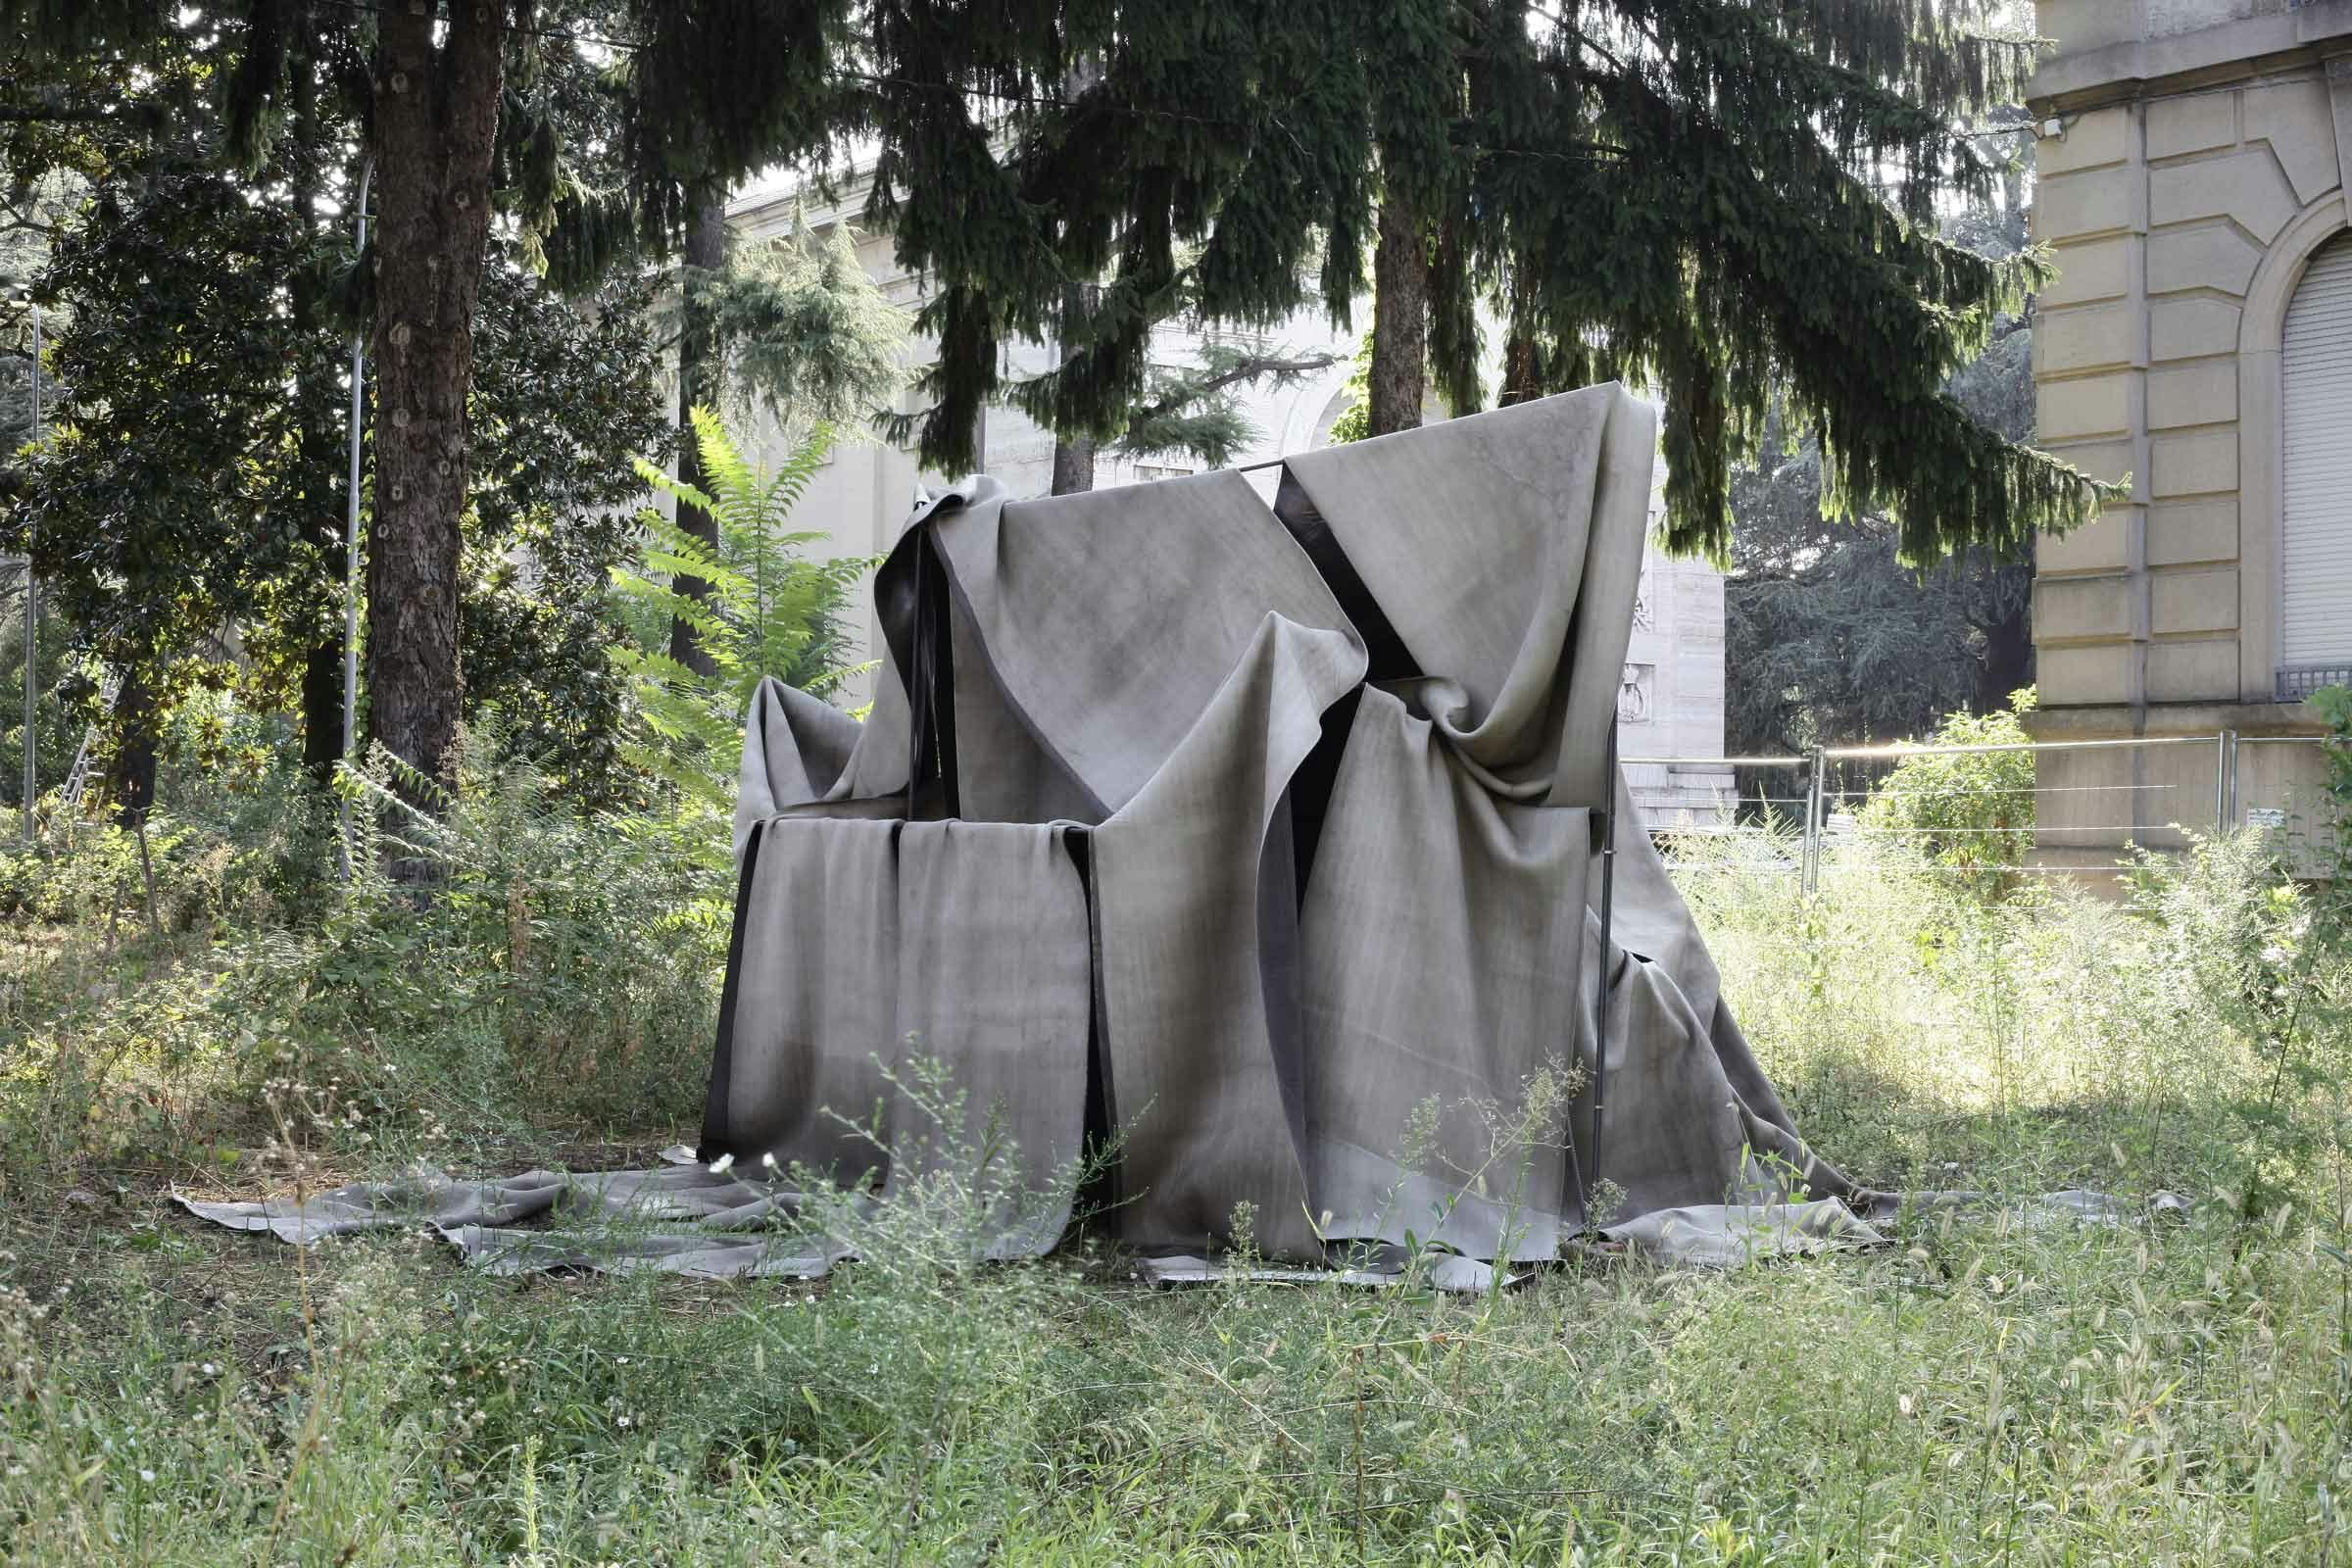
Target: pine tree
column 1828, row 637
column 1193, row 409
column 1732, row 201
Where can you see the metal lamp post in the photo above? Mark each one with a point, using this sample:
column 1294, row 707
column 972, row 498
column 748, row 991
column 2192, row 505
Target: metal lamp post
column 350, row 530
column 32, row 603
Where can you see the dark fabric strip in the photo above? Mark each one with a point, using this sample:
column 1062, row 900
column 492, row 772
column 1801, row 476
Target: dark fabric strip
column 1100, row 1192
column 1279, row 971
column 722, row 1055
column 933, row 680
column 1385, row 650
column 1311, row 785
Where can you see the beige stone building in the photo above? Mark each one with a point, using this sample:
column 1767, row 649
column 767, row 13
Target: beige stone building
column 2197, row 340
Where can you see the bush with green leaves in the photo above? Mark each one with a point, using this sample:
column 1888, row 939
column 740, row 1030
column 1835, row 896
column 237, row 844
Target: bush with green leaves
column 1970, row 813
column 560, row 979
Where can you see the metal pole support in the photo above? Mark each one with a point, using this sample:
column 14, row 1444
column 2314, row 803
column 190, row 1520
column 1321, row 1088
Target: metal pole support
column 1600, row 991
column 351, row 532
column 1811, row 841
column 2225, row 782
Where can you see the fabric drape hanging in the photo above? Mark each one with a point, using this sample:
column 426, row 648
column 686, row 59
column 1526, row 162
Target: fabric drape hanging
column 1334, row 772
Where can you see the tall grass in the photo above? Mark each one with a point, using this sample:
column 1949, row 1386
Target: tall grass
column 559, row 983
column 1998, row 1386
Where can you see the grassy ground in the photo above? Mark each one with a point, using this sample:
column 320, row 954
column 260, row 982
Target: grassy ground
column 1991, row 1390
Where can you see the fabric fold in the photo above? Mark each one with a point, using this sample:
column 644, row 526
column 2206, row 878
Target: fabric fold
column 913, row 996
column 1199, row 1036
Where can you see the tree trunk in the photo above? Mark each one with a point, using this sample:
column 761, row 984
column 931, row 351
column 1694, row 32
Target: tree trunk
column 1522, row 350
column 131, row 773
column 1074, row 459
column 2008, row 655
column 2013, row 190
column 321, row 693
column 323, row 711
column 1399, row 377
column 1073, row 466
column 698, row 387
column 436, row 118
column 1522, row 371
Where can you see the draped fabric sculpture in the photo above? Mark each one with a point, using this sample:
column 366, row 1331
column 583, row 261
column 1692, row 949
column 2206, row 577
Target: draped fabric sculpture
column 1248, row 830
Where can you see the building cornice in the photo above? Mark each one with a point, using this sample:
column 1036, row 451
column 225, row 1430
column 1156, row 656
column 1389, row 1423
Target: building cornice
column 2228, row 51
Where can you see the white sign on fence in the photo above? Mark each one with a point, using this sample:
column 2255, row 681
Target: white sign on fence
column 2266, row 816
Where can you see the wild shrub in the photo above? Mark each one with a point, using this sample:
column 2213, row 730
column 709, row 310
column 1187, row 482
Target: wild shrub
column 1923, row 1037
column 1971, row 814
column 564, row 972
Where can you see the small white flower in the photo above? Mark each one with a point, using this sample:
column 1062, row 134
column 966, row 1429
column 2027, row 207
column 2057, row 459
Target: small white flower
column 769, row 1161
column 723, row 1164
column 2275, row 957
column 147, row 1476
column 209, row 1370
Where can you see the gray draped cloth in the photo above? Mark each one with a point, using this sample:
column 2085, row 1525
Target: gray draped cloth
column 1326, row 779
column 1265, row 838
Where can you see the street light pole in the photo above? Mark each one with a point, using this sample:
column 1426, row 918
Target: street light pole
column 33, row 606
column 351, row 532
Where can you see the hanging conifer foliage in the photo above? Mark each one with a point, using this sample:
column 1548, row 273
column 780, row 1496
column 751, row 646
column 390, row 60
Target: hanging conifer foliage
column 1730, row 201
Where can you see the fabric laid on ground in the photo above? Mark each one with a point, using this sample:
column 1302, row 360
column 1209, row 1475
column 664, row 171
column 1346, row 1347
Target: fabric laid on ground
column 1450, row 1273
column 678, row 1220
column 1729, row 1235
column 1269, row 837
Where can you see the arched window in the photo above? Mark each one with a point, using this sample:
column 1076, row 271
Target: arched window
column 2315, row 560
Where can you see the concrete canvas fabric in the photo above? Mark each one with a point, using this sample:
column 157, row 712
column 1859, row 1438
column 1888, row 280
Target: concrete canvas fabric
column 1332, row 772
column 866, row 951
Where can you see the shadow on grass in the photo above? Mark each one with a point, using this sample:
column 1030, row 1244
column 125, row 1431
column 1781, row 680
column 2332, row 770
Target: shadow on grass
column 1897, row 1134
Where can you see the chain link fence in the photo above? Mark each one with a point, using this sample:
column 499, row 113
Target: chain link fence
column 2088, row 801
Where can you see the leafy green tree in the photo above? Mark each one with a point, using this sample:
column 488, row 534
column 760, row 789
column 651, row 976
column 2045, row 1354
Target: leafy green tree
column 1355, row 422
column 463, row 109
column 188, row 516
column 766, row 610
column 174, row 496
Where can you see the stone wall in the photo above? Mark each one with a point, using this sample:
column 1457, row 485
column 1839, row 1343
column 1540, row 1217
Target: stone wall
column 2191, row 158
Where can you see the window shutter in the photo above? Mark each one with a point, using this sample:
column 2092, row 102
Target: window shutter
column 2316, row 554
